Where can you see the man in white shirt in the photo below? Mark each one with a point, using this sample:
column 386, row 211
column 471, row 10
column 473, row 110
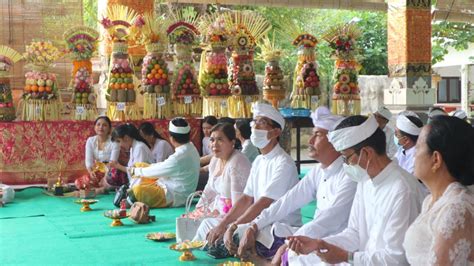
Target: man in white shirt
column 170, row 182
column 383, row 116
column 273, row 173
column 243, row 133
column 326, row 182
column 406, row 134
column 387, row 201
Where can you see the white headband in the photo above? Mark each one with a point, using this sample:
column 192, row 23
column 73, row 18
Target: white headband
column 179, row 130
column 266, row 110
column 404, row 124
column 323, row 118
column 384, row 112
column 459, row 114
column 348, row 137
column 436, row 112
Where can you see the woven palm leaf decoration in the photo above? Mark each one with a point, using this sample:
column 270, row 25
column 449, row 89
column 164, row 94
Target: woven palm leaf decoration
column 8, row 57
column 183, row 34
column 306, row 83
column 273, row 84
column 345, row 97
column 246, row 28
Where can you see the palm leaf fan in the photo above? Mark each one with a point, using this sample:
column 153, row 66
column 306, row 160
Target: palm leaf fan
column 350, row 30
column 81, row 41
column 269, row 51
column 8, row 56
column 183, row 20
column 296, row 34
column 214, row 30
column 247, row 27
column 118, row 21
column 151, row 29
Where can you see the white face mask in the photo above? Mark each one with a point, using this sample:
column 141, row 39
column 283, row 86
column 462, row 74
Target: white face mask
column 259, row 138
column 355, row 172
column 396, row 141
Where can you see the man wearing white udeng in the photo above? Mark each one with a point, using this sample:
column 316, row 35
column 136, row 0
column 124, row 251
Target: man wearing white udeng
column 326, row 182
column 273, row 173
column 387, row 201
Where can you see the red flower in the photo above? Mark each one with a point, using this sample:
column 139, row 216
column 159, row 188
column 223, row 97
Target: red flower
column 106, row 22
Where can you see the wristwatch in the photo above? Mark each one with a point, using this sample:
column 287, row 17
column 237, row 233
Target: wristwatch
column 350, row 257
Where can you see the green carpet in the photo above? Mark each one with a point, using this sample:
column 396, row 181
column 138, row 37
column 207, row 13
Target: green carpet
column 43, row 230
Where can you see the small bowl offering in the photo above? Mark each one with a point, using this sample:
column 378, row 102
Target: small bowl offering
column 186, row 247
column 86, row 204
column 116, row 216
column 161, row 236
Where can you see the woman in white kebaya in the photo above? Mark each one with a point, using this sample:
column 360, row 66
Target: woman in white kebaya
column 443, row 234
column 99, row 149
column 129, row 138
column 160, row 148
column 228, row 173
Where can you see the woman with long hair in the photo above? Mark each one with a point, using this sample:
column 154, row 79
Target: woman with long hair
column 100, row 149
column 161, row 149
column 129, row 139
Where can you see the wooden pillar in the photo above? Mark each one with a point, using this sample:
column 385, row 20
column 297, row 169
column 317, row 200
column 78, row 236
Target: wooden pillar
column 409, row 55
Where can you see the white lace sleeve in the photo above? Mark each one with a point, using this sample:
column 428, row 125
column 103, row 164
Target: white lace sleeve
column 454, row 233
column 209, row 194
column 238, row 171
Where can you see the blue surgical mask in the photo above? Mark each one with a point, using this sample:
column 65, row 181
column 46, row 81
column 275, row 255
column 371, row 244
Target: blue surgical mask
column 396, row 141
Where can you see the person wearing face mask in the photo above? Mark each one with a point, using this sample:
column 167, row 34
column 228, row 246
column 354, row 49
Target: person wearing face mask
column 273, row 173
column 383, row 116
column 326, row 183
column 387, row 201
column 406, row 134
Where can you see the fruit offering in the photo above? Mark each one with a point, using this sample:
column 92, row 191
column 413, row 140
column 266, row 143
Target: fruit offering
column 214, row 76
column 246, row 28
column 155, row 74
column 273, row 73
column 8, row 57
column 273, row 77
column 213, row 71
column 120, row 85
column 40, row 85
column 6, row 99
column 310, row 79
column 182, row 33
column 83, row 91
column 185, row 81
column 306, row 79
column 342, row 39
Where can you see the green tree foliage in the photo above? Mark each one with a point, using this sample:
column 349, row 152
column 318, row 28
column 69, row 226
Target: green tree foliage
column 446, row 34
column 372, row 43
column 90, row 13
